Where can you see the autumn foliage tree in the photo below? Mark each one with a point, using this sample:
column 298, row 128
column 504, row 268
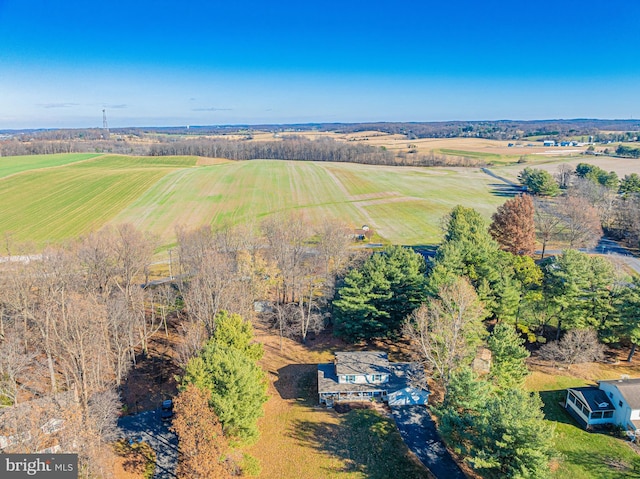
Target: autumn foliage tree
column 202, row 443
column 513, row 225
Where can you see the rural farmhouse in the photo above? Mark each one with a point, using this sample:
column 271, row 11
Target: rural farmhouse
column 367, row 375
column 612, row 402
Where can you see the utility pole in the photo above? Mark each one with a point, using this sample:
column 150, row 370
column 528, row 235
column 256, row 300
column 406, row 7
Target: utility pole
column 105, row 125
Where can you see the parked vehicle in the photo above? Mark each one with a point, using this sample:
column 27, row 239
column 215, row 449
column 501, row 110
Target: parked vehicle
column 166, row 411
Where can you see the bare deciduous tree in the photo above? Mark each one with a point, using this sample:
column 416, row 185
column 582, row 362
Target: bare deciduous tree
column 548, row 222
column 14, row 364
column 576, row 346
column 445, row 331
column 581, row 222
column 564, row 175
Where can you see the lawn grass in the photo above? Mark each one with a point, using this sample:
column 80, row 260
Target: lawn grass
column 10, row 165
column 580, row 453
column 299, row 439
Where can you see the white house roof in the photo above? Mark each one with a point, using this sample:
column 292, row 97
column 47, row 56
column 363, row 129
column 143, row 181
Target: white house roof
column 629, row 390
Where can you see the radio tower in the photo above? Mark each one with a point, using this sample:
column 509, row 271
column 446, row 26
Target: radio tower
column 105, row 125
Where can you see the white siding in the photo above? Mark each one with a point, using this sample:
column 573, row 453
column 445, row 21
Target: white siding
column 622, row 414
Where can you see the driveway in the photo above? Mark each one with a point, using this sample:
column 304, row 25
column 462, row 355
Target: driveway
column 148, row 427
column 610, row 249
column 419, row 433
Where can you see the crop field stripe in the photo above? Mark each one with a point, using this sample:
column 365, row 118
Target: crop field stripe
column 12, row 165
column 53, row 204
column 402, row 204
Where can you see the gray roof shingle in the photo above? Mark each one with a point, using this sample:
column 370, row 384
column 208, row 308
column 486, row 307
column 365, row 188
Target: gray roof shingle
column 362, row 363
column 629, row 389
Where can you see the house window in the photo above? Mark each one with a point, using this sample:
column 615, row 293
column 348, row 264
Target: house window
column 620, row 403
column 572, row 398
column 608, row 414
column 350, row 379
column 610, row 394
column 377, row 378
column 596, row 415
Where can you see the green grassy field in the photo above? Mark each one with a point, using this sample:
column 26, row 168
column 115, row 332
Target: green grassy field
column 11, row 165
column 403, row 205
column 479, row 155
column 52, row 204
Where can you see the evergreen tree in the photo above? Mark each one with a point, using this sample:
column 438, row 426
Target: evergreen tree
column 629, row 327
column 508, row 355
column 466, row 397
column 579, row 288
column 630, row 184
column 469, row 250
column 376, row 297
column 237, row 386
column 233, row 331
column 511, row 439
column 539, row 182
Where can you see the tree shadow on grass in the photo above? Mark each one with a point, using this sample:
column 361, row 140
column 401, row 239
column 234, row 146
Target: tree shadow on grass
column 604, row 465
column 504, row 190
column 299, row 382
column 552, row 409
column 365, row 442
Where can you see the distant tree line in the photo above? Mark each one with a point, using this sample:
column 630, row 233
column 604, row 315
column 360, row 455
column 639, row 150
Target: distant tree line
column 288, row 148
column 600, row 130
column 300, row 148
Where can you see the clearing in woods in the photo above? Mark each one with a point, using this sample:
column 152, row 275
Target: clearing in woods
column 81, row 193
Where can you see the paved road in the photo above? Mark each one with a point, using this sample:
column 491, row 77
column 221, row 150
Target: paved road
column 504, row 180
column 419, row 433
column 610, row 249
column 148, row 427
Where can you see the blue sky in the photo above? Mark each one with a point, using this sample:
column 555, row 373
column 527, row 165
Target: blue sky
column 159, row 62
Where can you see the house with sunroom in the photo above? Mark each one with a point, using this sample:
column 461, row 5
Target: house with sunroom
column 365, row 376
column 614, row 401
